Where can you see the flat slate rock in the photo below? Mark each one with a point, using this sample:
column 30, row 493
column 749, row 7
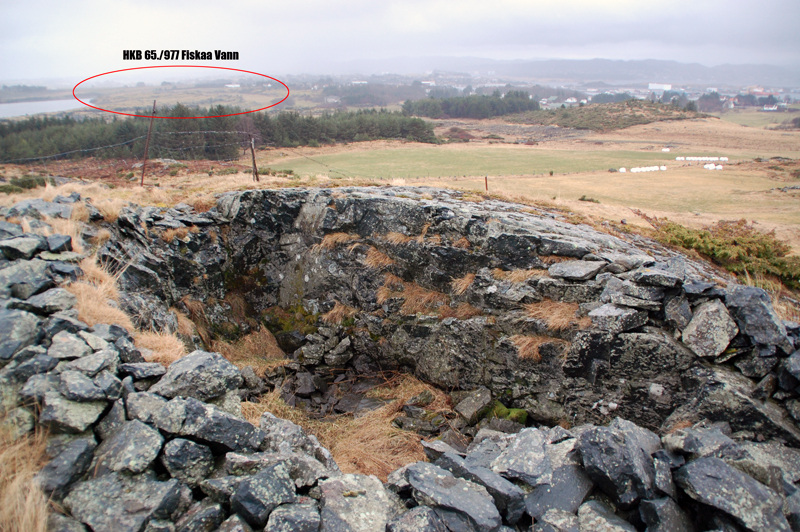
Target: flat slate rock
column 142, row 370
column 576, row 270
column 616, row 319
column 714, row 483
column 39, row 208
column 525, row 458
column 48, row 302
column 657, row 277
column 22, row 247
column 218, row 429
column 508, row 498
column 64, row 415
column 461, row 504
column 66, row 346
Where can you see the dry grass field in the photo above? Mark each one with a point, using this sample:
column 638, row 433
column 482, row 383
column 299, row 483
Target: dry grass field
column 685, row 193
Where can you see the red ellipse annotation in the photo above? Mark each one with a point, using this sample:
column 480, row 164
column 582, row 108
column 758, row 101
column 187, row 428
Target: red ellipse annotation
column 181, row 66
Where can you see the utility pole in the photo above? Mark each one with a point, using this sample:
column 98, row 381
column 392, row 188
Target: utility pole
column 147, row 142
column 253, row 153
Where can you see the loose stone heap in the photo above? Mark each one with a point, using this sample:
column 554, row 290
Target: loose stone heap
column 136, row 446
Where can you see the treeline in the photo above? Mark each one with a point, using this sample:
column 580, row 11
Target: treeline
column 209, row 137
column 606, row 97
column 472, row 106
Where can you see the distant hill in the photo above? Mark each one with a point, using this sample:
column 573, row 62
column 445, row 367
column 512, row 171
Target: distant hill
column 601, row 70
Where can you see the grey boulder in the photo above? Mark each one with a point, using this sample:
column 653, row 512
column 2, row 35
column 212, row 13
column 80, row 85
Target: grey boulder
column 711, row 329
column 714, row 483
column 461, row 504
column 131, row 449
column 201, row 375
column 118, row 503
column 256, row 496
column 187, row 461
column 293, row 518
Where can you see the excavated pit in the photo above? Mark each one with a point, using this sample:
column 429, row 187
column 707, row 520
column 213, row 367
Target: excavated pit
column 562, row 324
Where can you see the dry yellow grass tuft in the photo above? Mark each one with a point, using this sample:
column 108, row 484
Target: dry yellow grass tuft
column 258, row 349
column 421, row 238
column 416, row 299
column 332, row 240
column 103, row 236
column 185, row 325
column 377, row 260
column 420, row 300
column 110, row 208
column 71, row 227
column 462, row 243
column 370, row 444
column 461, row 284
column 518, row 276
column 197, row 314
column 95, row 290
column 397, row 238
column 528, row 346
column 166, row 347
column 552, row 259
column 557, row 315
column 24, row 506
column 338, row 313
column 181, row 232
column 463, row 311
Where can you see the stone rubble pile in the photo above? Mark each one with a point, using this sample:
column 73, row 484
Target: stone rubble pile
column 682, row 393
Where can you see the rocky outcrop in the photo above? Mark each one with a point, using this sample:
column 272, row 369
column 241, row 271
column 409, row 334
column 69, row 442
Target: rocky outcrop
column 679, row 387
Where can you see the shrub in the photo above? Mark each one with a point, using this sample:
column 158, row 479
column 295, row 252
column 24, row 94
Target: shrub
column 737, row 246
column 590, row 200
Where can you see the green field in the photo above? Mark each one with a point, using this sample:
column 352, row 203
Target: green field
column 457, row 161
column 752, row 117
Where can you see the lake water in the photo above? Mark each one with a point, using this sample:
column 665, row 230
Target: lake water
column 8, row 110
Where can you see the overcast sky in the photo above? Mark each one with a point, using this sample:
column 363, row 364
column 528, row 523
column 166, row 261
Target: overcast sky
column 74, row 40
